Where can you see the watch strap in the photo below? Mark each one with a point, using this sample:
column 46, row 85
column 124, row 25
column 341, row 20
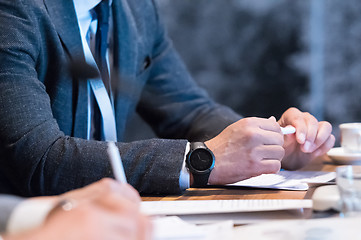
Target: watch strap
column 200, row 180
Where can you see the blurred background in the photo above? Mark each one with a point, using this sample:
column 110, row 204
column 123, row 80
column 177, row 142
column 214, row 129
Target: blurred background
column 261, row 57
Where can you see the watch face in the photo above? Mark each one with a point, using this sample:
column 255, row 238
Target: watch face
column 201, row 159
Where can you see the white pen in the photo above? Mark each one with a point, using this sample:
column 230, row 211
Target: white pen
column 116, row 162
column 288, row 130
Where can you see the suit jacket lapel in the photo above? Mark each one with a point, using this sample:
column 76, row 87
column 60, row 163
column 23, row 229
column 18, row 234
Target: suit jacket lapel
column 63, row 16
column 125, row 38
column 125, row 62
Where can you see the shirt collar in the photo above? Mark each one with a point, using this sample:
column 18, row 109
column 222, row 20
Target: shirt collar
column 82, row 7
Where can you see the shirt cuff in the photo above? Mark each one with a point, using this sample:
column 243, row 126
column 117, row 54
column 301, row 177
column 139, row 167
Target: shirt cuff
column 29, row 214
column 184, row 174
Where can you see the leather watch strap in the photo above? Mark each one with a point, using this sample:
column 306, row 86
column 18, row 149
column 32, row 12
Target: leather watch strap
column 200, row 180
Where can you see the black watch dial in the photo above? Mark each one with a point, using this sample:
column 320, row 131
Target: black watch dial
column 201, row 159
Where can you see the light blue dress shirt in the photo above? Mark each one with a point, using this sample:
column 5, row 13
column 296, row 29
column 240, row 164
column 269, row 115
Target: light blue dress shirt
column 86, row 23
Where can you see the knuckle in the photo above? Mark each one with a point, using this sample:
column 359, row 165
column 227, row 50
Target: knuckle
column 249, row 121
column 294, row 110
column 308, row 115
column 248, row 134
column 276, row 167
column 298, row 119
column 254, row 137
column 309, row 118
column 326, row 125
column 107, row 184
column 246, row 121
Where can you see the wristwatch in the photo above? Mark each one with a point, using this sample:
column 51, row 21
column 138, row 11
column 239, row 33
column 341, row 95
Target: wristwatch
column 200, row 162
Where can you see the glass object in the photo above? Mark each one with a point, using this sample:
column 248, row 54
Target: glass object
column 349, row 184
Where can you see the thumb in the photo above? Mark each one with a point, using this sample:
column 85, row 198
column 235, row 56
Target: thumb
column 272, row 118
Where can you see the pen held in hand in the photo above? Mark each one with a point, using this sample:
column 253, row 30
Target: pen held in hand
column 116, row 163
column 288, row 130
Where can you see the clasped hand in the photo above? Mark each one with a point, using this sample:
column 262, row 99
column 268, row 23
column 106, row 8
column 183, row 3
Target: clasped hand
column 254, row 146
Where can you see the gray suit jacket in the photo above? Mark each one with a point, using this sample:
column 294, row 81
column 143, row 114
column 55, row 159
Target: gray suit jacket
column 7, row 205
column 43, row 109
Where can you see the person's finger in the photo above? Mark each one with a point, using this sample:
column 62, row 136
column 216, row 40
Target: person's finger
column 294, row 117
column 107, row 185
column 130, row 193
column 324, row 132
column 264, row 137
column 301, row 130
column 312, row 130
column 101, row 187
column 264, row 131
column 325, row 147
column 272, row 118
column 92, row 190
column 269, row 124
column 275, row 152
column 268, row 166
column 117, row 203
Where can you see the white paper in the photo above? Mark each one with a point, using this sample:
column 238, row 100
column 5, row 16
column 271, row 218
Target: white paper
column 169, row 228
column 287, row 180
column 221, row 206
column 240, row 218
column 315, row 229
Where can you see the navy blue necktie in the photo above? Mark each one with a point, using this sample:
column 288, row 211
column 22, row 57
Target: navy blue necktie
column 101, row 41
column 100, row 50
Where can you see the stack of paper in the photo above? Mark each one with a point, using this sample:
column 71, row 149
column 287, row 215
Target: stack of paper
column 221, row 206
column 242, row 211
column 287, row 180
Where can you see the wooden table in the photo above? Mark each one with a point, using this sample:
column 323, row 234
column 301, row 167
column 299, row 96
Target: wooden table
column 224, row 193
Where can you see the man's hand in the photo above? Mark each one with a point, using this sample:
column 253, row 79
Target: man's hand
column 101, row 187
column 254, row 146
column 247, row 148
column 103, row 210
column 111, row 214
column 312, row 138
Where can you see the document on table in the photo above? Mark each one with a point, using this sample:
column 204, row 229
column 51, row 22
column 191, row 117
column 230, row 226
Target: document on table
column 287, row 180
column 192, row 207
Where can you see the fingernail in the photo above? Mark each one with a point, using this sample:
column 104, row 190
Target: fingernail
column 307, row 146
column 301, row 137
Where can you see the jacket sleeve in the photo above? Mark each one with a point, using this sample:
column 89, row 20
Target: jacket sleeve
column 36, row 157
column 7, row 205
column 173, row 104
